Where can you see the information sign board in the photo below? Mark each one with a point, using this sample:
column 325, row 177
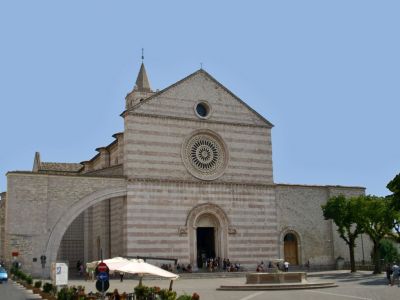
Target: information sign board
column 59, row 273
column 103, row 276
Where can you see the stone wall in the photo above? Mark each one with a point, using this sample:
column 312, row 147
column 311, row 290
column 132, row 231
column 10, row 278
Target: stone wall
column 118, row 213
column 104, row 221
column 72, row 244
column 153, row 150
column 299, row 211
column 179, row 101
column 156, row 131
column 2, row 224
column 101, row 230
column 109, row 171
column 50, row 203
column 158, row 213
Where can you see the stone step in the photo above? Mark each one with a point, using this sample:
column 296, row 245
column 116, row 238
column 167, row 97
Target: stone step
column 283, row 286
column 200, row 275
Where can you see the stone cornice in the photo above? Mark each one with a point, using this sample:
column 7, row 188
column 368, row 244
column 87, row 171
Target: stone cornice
column 194, row 120
column 180, row 181
column 29, row 173
column 200, row 182
column 103, row 169
column 319, row 186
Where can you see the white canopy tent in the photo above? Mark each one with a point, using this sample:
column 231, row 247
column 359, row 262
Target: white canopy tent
column 112, row 263
column 135, row 266
column 139, row 266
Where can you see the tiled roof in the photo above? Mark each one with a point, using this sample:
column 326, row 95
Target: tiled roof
column 60, row 167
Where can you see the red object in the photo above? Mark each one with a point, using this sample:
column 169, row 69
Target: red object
column 14, row 253
column 102, row 267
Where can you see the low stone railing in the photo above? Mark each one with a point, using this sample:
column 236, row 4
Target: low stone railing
column 268, row 278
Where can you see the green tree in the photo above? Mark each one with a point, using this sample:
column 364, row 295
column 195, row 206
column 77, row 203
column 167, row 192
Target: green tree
column 388, row 252
column 378, row 222
column 394, row 187
column 346, row 214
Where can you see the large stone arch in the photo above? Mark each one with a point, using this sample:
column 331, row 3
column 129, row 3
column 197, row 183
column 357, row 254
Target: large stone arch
column 223, row 228
column 73, row 211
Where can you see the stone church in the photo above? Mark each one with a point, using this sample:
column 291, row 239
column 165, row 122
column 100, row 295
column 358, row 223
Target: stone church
column 190, row 177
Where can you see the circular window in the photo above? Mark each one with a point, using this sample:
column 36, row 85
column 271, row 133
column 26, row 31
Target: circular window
column 204, row 155
column 202, row 110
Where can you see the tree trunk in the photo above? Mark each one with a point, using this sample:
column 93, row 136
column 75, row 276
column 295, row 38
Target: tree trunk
column 377, row 261
column 352, row 261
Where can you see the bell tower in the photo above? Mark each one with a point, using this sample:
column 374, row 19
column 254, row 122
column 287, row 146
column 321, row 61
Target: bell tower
column 141, row 89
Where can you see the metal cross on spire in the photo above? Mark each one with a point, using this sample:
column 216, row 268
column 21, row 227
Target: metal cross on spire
column 142, row 54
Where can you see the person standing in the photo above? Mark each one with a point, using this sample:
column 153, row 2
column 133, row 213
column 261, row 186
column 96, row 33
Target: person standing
column 396, row 274
column 286, row 266
column 389, row 273
column 81, row 270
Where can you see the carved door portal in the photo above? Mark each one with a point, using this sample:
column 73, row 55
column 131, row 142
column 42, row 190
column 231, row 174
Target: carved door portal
column 290, row 249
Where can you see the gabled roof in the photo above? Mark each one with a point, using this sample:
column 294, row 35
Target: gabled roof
column 200, row 71
column 60, row 167
column 44, row 167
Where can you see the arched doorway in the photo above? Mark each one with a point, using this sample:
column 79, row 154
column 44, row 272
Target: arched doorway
column 206, row 238
column 207, row 226
column 290, row 249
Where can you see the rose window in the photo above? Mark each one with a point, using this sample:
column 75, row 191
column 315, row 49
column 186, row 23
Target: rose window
column 204, row 156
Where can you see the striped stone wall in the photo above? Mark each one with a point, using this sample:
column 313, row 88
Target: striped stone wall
column 117, row 223
column 100, row 230
column 163, row 194
column 157, row 215
column 153, row 149
column 179, row 101
column 105, row 220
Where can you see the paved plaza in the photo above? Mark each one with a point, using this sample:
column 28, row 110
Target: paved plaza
column 361, row 285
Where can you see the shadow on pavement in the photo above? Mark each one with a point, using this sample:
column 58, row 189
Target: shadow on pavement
column 360, row 278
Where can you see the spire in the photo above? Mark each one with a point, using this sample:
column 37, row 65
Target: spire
column 141, row 90
column 36, row 162
column 142, row 82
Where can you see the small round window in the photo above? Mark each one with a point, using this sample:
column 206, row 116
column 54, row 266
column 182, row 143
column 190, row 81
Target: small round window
column 202, row 110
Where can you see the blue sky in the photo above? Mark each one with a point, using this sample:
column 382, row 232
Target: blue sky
column 325, row 73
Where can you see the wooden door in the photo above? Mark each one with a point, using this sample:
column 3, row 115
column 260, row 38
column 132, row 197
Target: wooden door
column 290, row 249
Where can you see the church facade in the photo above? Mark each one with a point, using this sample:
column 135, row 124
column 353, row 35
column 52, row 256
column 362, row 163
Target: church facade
column 190, row 177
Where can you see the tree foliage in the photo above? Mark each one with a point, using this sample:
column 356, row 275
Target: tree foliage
column 378, row 222
column 388, row 252
column 346, row 213
column 394, row 187
column 378, row 217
